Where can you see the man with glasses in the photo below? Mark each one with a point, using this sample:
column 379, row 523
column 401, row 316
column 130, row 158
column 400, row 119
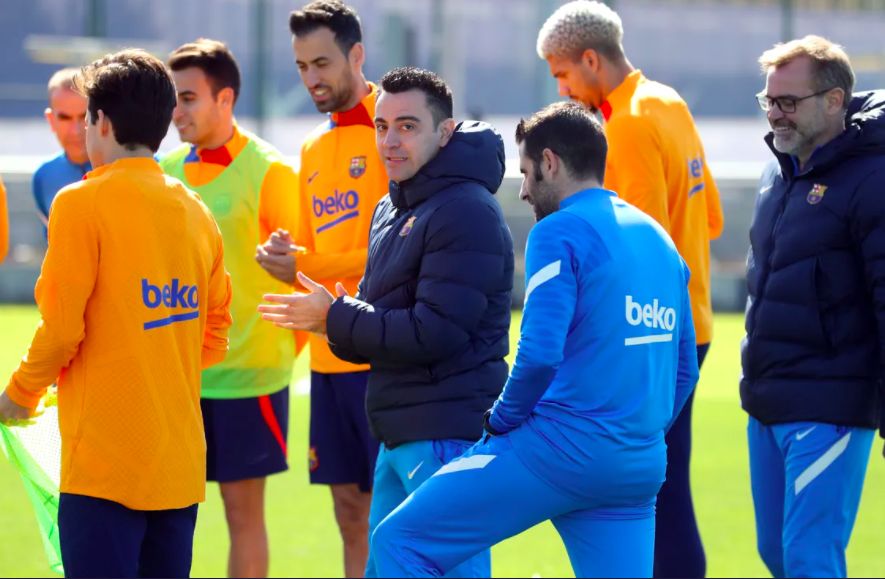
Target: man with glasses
column 656, row 162
column 813, row 356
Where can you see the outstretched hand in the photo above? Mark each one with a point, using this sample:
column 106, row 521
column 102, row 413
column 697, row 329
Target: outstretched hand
column 301, row 311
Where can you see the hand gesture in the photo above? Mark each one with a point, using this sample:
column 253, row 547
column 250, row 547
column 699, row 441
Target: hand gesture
column 300, row 311
column 277, row 256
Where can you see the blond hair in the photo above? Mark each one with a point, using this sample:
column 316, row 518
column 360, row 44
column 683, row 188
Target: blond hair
column 581, row 25
column 831, row 67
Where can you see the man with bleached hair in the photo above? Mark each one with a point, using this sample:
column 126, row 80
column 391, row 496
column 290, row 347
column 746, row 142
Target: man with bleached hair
column 656, row 162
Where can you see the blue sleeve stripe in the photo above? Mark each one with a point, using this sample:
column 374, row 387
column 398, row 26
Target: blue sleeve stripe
column 543, row 275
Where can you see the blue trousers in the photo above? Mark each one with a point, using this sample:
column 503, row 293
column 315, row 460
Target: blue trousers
column 488, row 495
column 679, row 551
column 807, row 480
column 101, row 538
column 398, row 472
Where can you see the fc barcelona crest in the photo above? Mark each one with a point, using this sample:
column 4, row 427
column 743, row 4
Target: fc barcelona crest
column 357, row 167
column 407, row 228
column 816, row 194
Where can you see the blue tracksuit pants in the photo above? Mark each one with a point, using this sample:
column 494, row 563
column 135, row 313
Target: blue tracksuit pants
column 401, row 470
column 807, row 480
column 488, row 495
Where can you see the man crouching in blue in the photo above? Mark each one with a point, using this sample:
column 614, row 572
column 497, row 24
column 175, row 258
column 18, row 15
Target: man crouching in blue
column 606, row 360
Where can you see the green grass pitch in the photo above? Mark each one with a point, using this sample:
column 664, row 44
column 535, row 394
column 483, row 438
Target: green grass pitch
column 304, row 540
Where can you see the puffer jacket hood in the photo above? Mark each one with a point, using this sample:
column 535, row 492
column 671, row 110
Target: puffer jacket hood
column 475, row 153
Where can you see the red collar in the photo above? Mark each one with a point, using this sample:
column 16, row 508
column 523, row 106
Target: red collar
column 606, row 110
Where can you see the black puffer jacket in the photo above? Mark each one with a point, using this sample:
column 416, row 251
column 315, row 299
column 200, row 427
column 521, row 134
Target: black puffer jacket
column 815, row 345
column 433, row 311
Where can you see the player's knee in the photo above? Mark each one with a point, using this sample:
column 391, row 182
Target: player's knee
column 243, row 506
column 352, row 512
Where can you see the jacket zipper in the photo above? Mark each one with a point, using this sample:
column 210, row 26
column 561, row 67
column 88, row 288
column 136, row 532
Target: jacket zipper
column 768, row 262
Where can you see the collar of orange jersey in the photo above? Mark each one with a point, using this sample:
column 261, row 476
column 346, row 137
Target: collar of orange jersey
column 362, row 114
column 620, row 97
column 226, row 153
column 124, row 164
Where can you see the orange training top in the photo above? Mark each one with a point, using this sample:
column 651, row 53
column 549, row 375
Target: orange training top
column 656, row 162
column 342, row 179
column 134, row 301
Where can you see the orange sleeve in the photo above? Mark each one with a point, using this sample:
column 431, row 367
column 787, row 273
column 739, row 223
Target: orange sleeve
column 634, row 167
column 333, row 266
column 4, row 224
column 63, row 290
column 218, row 318
column 278, row 204
column 715, row 217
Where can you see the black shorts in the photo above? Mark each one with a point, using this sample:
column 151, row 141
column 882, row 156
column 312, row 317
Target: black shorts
column 246, row 437
column 342, row 449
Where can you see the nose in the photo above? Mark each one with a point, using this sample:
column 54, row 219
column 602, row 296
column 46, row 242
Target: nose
column 390, row 139
column 177, row 112
column 564, row 90
column 309, row 77
column 523, row 191
column 774, row 113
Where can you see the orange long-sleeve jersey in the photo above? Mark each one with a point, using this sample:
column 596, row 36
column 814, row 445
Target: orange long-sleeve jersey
column 656, row 162
column 342, row 179
column 4, row 224
column 134, row 301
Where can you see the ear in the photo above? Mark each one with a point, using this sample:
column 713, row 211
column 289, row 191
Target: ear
column 590, row 58
column 357, row 56
column 446, row 129
column 550, row 164
column 226, row 97
column 836, row 101
column 104, row 125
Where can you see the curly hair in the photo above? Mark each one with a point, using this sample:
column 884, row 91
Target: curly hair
column 581, row 25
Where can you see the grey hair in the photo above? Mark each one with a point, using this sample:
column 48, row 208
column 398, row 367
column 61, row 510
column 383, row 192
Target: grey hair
column 580, row 25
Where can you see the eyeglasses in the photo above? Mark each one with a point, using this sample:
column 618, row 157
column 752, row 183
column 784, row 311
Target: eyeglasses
column 787, row 104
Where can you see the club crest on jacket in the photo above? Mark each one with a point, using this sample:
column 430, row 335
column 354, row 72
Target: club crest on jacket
column 407, row 227
column 816, row 194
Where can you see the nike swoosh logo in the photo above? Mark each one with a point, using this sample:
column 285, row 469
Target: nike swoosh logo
column 801, row 435
column 411, row 475
column 763, row 190
column 312, row 177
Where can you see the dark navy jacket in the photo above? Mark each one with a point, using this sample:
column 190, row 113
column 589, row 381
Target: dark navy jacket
column 433, row 311
column 815, row 345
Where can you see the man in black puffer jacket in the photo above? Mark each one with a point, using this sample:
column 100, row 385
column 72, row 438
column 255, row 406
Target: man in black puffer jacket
column 814, row 353
column 433, row 311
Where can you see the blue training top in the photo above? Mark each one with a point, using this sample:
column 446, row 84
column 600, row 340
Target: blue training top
column 51, row 177
column 607, row 353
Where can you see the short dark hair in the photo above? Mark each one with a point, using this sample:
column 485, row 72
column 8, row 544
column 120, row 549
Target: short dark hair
column 435, row 89
column 135, row 91
column 337, row 16
column 572, row 132
column 214, row 58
